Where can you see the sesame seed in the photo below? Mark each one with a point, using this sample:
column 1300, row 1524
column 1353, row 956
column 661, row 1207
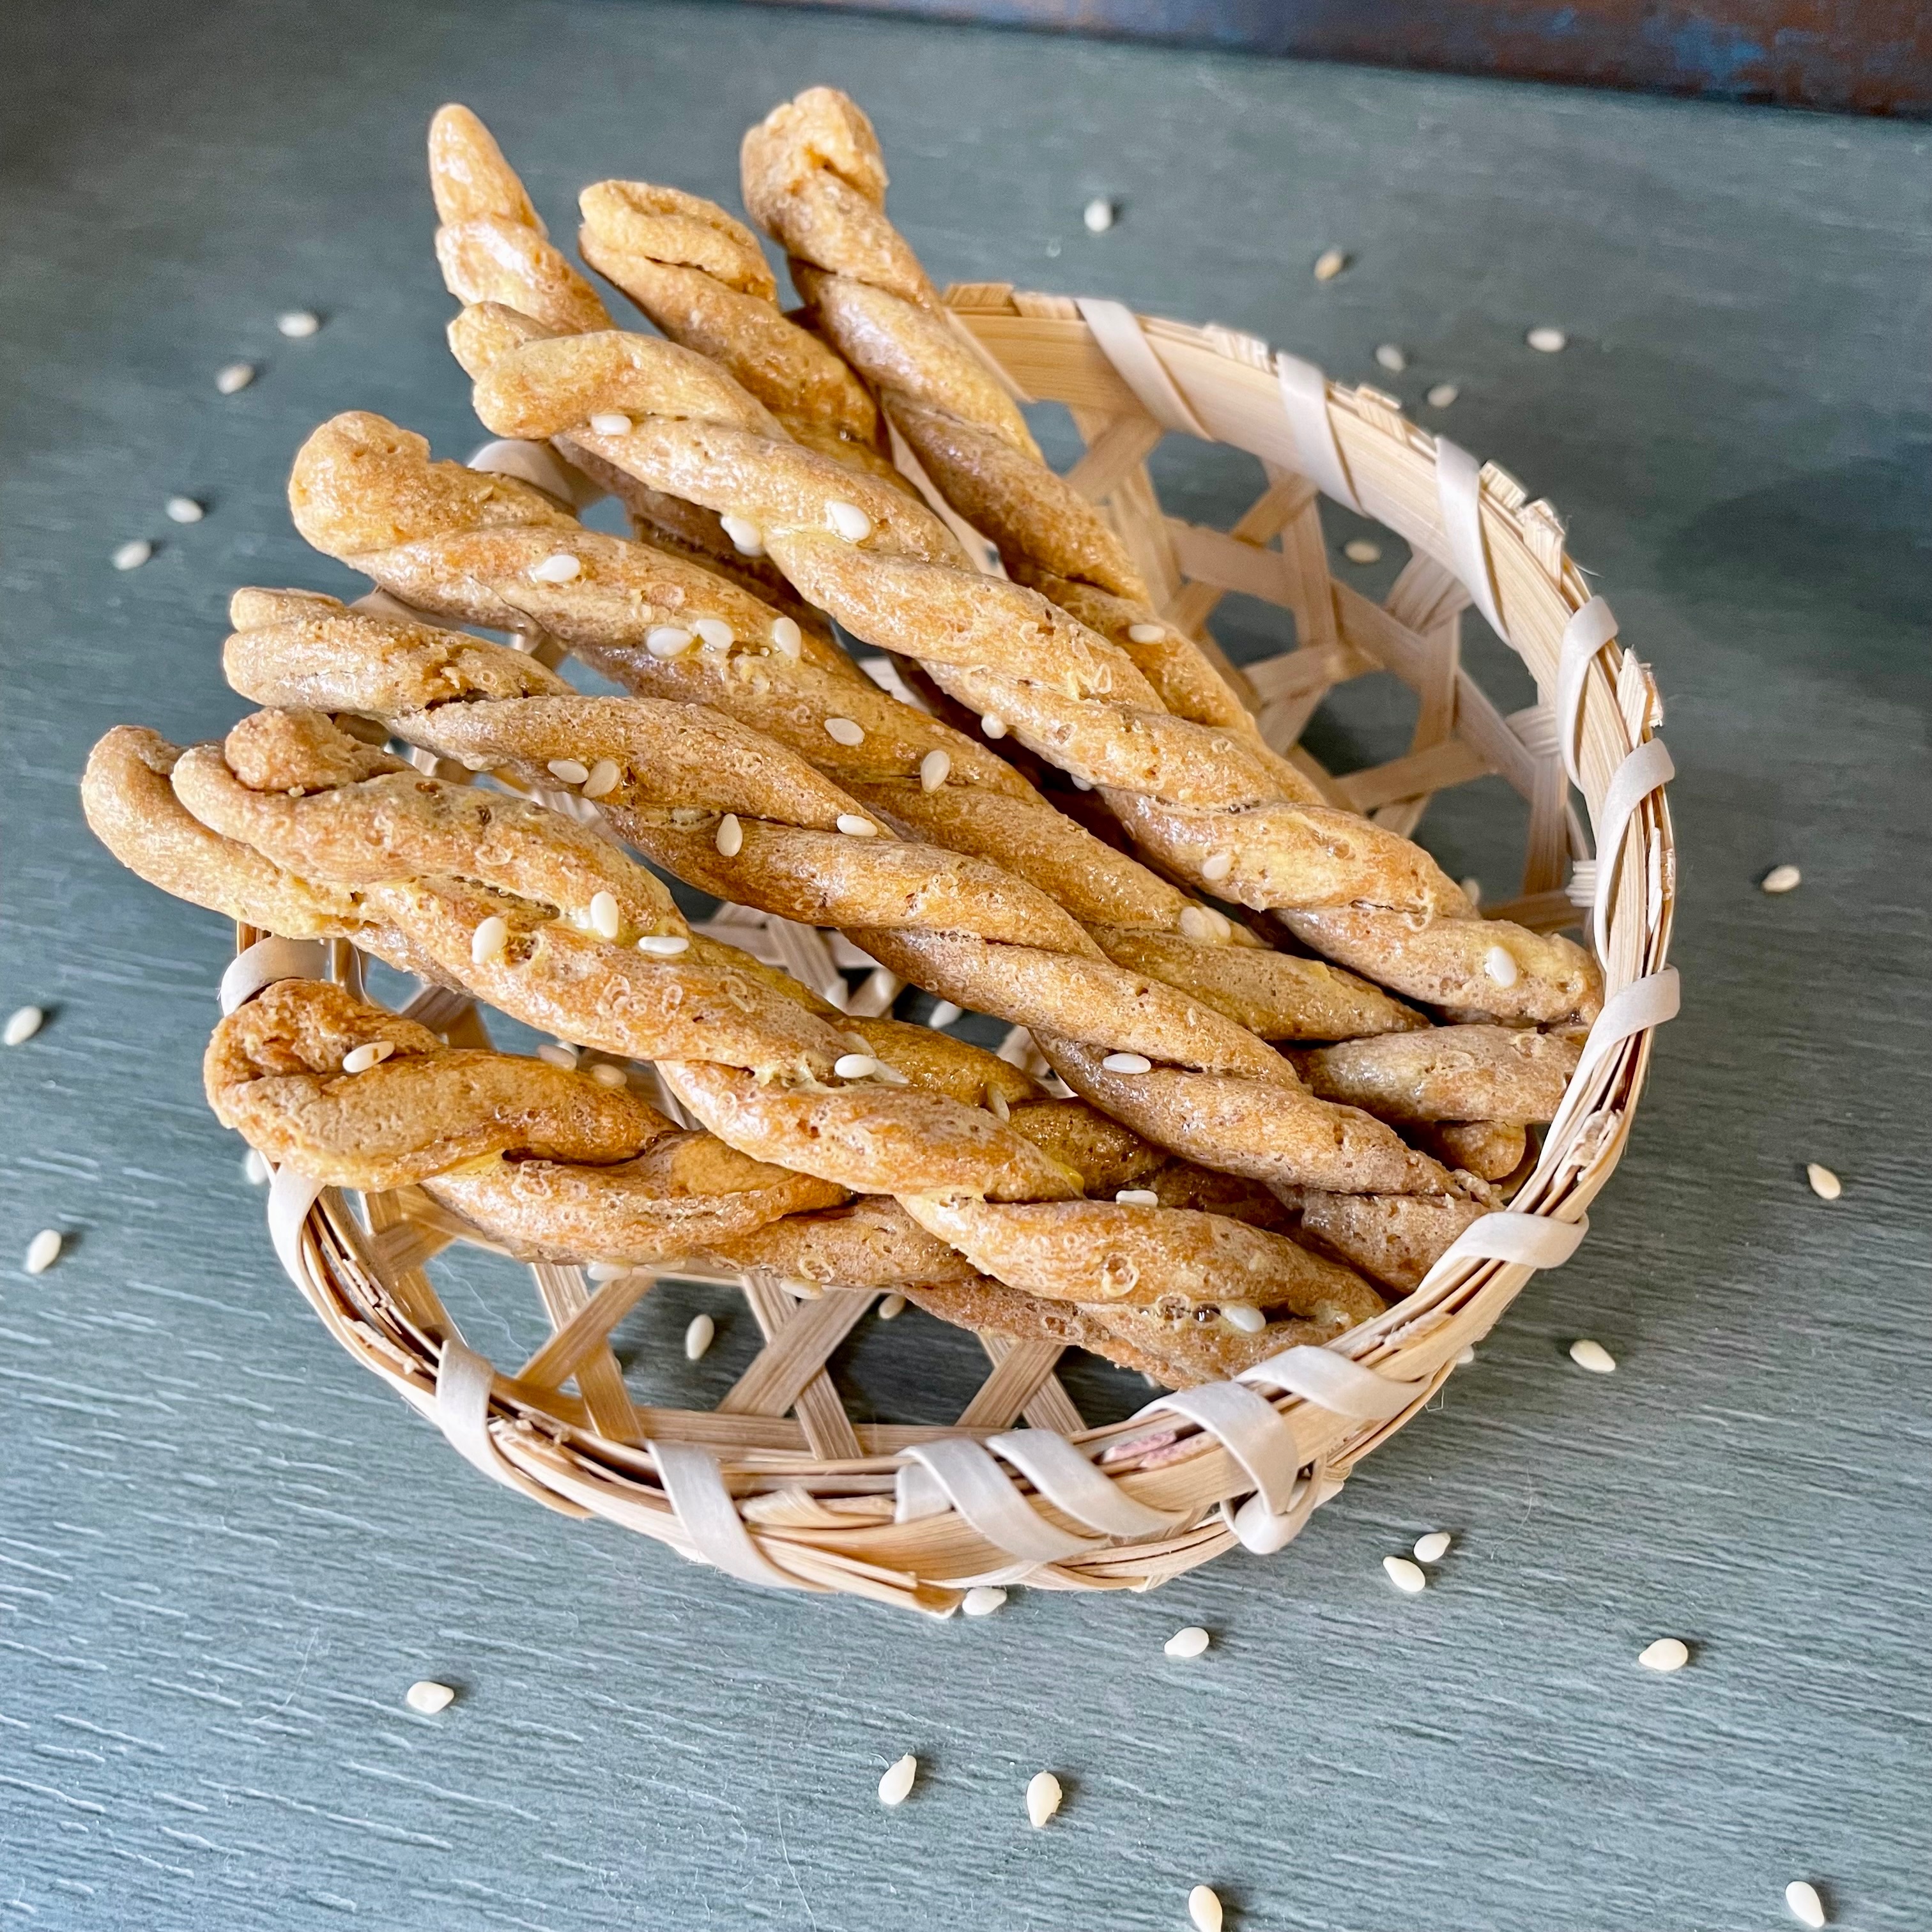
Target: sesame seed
column 1548, row 340
column 1239, row 1315
column 559, row 568
column 1329, row 264
column 698, row 1337
column 568, row 771
column 1145, row 634
column 487, row 943
column 1593, row 1356
column 895, row 1787
column 1138, row 1197
column 1360, row 549
column 22, row 1023
column 855, row 1066
column 1098, row 215
column 934, row 769
column 854, row 826
column 605, row 920
column 1442, row 395
column 1190, row 1641
column 668, row 640
column 747, row 539
column 184, row 510
column 663, row 945
column 609, row 1270
column 844, row 731
column 1127, row 1063
column 255, row 1170
column 299, row 324
column 236, row 376
column 1465, row 1357
column 1079, row 783
column 1825, row 1183
column 132, row 556
column 427, row 1698
column 1802, row 1902
column 1499, row 963
column 42, row 1251
column 1666, row 1654
column 996, row 1104
column 559, row 1055
column 730, row 838
column 602, row 777
column 1409, row 1578
column 1433, row 1547
column 1217, row 866
column 848, row 519
column 1781, row 879
column 1203, row 1908
column 1390, row 357
column 1199, row 922
column 1472, row 889
column 1042, row 1793
column 611, row 422
column 360, row 1059
column 983, row 1599
column 714, row 633
column 993, row 725
column 605, row 1074
column 788, row 637
column 890, row 1310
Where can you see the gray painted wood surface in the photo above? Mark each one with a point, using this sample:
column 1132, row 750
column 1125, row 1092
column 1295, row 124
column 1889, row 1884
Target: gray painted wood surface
column 224, row 1552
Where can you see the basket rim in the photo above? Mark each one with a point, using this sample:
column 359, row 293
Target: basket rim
column 1260, row 1452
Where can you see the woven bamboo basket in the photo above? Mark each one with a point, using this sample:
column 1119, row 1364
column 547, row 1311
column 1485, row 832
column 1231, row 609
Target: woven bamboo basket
column 776, row 1484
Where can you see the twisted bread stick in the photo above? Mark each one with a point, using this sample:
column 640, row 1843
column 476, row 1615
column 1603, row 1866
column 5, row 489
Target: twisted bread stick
column 1192, row 781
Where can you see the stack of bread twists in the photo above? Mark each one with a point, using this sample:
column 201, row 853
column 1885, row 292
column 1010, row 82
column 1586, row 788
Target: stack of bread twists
column 754, row 761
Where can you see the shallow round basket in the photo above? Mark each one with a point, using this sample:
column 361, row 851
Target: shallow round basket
column 776, row 1484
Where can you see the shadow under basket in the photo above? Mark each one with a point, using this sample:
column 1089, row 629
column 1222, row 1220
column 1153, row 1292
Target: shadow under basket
column 777, row 1484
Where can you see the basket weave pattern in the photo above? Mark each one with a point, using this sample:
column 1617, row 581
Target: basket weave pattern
column 777, row 1485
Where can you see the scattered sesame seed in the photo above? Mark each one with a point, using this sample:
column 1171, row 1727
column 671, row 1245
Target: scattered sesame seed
column 1127, row 1063
column 602, row 778
column 608, row 1271
column 667, row 641
column 788, row 637
column 1411, row 1579
column 993, row 725
column 698, row 1337
column 1781, row 879
column 1548, row 340
column 255, row 1169
column 22, row 1023
column 1666, row 1653
column 983, row 1599
column 1242, row 1316
column 996, row 1104
column 890, row 1310
column 559, row 568
column 848, row 519
column 855, row 1066
column 1217, row 866
column 611, row 422
column 1463, row 1359
column 1360, row 549
column 1433, row 1547
column 428, row 1698
column 605, row 919
column 236, row 376
column 934, row 769
column 1499, row 963
column 1200, row 921
column 1802, row 1902
column 1593, row 1356
column 299, row 324
column 1098, row 215
column 895, row 1787
column 1391, row 357
column 568, row 771
column 1825, row 1183
column 663, row 945
column 730, row 838
column 1190, row 1641
column 854, row 826
column 1146, row 634
column 844, row 731
column 1472, row 889
column 559, row 1055
column 360, row 1059
column 1204, row 1908
column 184, row 510
column 605, row 1074
column 1442, row 395
column 1079, row 783
column 487, row 943
column 714, row 633
column 43, row 1250
column 1138, row 1197
column 747, row 539
column 131, row 556
column 1329, row 264
column 1042, row 1793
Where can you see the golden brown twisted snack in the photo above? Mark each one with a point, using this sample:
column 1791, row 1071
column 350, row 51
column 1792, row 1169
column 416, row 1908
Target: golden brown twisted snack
column 1151, row 723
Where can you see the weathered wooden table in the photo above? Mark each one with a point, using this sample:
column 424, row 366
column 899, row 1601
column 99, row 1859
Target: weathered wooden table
column 223, row 1554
